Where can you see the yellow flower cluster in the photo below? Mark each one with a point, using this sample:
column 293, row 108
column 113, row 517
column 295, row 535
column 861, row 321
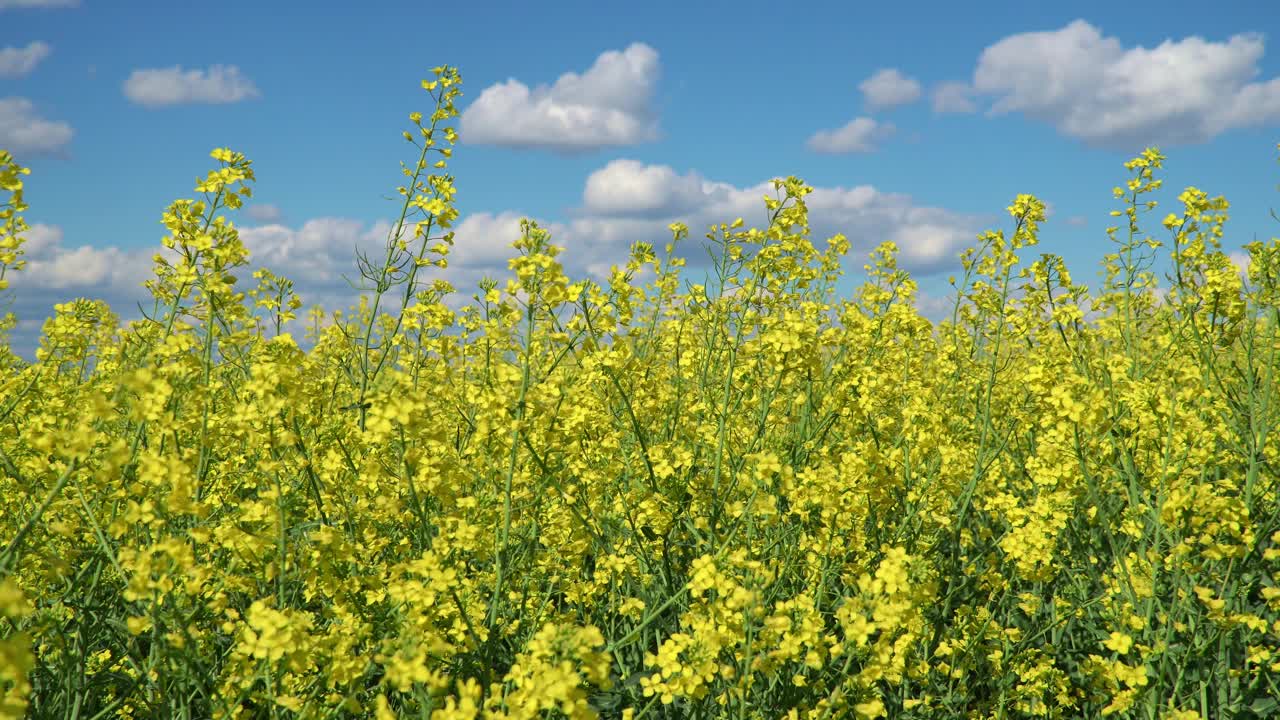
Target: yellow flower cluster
column 746, row 498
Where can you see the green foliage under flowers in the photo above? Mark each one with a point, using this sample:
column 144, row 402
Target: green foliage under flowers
column 743, row 498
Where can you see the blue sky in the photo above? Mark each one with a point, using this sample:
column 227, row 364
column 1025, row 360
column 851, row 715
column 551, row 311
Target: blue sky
column 914, row 126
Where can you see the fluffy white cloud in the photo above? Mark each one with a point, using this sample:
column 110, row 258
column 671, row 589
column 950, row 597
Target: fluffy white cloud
column 78, row 267
column 53, row 266
column 628, row 201
column 18, row 62
column 630, row 187
column 1091, row 88
column 953, row 98
column 623, row 202
column 483, row 241
column 859, row 135
column 55, row 273
column 264, row 212
column 40, row 241
column 171, row 86
column 319, row 252
column 1242, row 260
column 22, row 130
column 889, row 88
column 923, row 243
column 607, row 106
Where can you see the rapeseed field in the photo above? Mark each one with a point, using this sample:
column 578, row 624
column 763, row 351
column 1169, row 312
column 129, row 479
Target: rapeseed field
column 745, row 497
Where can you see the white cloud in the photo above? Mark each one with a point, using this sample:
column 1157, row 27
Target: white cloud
column 610, row 220
column 1242, row 260
column 1077, row 221
column 922, row 243
column 56, row 274
column 889, row 88
column 84, row 265
column 857, row 136
column 320, row 256
column 623, row 202
column 172, row 86
column 483, row 241
column 52, row 266
column 40, row 240
column 630, row 187
column 607, row 106
column 264, row 212
column 19, row 62
column 319, row 252
column 953, row 98
column 22, row 130
column 1090, row 88
column 9, row 4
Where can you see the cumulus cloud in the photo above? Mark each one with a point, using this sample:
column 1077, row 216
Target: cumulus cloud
column 627, row 201
column 78, row 267
column 889, row 88
column 57, row 273
column 54, row 266
column 264, row 212
column 483, row 241
column 172, row 86
column 320, row 252
column 19, row 62
column 630, row 187
column 623, row 202
column 1093, row 89
column 23, row 131
column 859, row 135
column 608, row 106
column 40, row 240
column 315, row 255
column 1242, row 260
column 953, row 97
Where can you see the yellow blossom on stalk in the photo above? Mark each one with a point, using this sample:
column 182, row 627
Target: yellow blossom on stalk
column 273, row 635
column 871, row 709
column 638, row 495
column 11, row 239
column 464, row 705
column 16, row 660
column 1119, row 642
column 550, row 673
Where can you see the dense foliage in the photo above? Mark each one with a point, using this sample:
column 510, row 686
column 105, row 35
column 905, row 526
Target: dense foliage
column 741, row 498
